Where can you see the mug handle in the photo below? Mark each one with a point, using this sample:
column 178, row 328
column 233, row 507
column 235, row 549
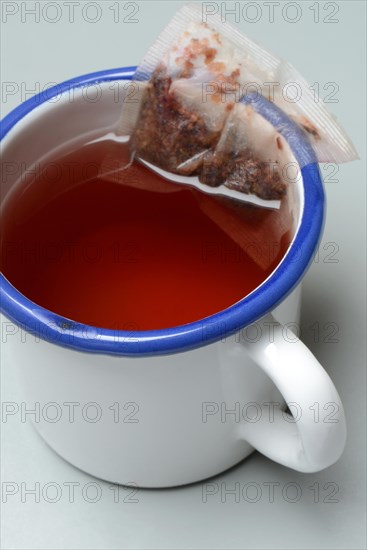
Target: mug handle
column 314, row 438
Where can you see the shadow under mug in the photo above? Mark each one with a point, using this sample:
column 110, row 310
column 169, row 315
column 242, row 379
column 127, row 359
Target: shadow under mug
column 168, row 407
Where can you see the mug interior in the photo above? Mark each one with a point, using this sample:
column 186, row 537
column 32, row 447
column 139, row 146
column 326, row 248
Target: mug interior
column 86, row 110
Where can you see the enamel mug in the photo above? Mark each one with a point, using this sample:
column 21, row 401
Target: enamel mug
column 168, row 407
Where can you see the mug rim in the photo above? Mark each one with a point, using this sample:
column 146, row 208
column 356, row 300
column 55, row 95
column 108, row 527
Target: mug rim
column 68, row 333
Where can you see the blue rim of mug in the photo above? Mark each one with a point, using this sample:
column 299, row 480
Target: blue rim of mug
column 68, row 333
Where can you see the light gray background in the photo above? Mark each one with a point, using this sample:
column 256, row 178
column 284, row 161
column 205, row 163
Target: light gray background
column 35, row 54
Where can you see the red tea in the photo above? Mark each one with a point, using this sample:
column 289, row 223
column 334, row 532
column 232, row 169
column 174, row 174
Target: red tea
column 117, row 254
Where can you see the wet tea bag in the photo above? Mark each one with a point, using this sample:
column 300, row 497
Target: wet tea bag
column 186, row 109
column 209, row 105
column 170, row 114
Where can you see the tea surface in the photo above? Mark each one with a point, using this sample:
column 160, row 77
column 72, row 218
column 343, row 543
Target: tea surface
column 119, row 255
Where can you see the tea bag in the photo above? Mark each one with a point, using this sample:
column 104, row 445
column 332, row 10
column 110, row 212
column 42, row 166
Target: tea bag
column 188, row 90
column 209, row 104
column 172, row 117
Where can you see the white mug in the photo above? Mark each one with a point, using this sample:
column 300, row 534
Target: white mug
column 168, row 407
